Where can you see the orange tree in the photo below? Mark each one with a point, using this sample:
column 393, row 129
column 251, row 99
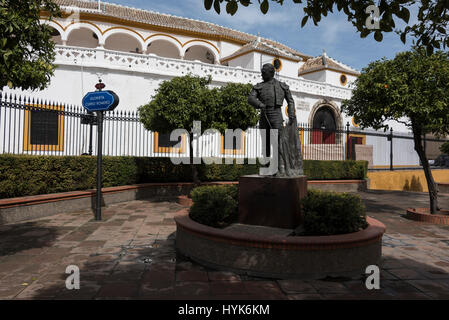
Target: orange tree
column 413, row 89
column 182, row 100
column 26, row 49
column 429, row 27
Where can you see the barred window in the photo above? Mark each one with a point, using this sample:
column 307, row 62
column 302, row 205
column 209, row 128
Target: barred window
column 44, row 127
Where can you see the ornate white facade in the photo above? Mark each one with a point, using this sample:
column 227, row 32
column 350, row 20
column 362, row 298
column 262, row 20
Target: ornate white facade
column 133, row 56
column 134, row 50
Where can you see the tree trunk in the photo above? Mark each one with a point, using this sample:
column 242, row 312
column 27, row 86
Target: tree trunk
column 433, row 191
column 195, row 179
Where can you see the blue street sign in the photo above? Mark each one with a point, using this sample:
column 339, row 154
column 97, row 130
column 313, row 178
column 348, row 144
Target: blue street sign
column 100, row 101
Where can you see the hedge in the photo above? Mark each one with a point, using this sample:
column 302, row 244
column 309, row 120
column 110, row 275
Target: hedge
column 331, row 213
column 24, row 175
column 215, row 206
column 325, row 213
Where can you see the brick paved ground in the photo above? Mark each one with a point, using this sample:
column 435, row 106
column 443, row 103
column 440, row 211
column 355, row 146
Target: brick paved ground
column 131, row 255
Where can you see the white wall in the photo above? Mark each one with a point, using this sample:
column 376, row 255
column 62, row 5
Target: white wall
column 315, row 76
column 227, row 48
column 245, row 61
column 333, row 77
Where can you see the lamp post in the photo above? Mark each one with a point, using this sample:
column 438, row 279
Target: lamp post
column 99, row 86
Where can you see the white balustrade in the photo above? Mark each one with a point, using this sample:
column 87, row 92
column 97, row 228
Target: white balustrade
column 175, row 67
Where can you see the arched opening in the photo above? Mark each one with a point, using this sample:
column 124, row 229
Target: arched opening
column 82, row 37
column 324, row 126
column 200, row 53
column 56, row 36
column 123, row 42
column 163, row 48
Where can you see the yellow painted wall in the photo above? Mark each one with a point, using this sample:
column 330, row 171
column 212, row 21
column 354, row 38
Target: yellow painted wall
column 405, row 180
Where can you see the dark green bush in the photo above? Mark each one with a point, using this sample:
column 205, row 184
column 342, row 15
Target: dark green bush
column 335, row 170
column 215, row 206
column 25, row 175
column 330, row 213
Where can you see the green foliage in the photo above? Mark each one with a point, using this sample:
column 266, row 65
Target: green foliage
column 429, row 28
column 177, row 104
column 215, row 206
column 233, row 110
column 412, row 85
column 335, row 170
column 445, row 148
column 26, row 49
column 182, row 100
column 330, row 213
column 412, row 89
column 23, row 175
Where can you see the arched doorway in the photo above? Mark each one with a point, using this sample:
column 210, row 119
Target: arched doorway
column 56, row 36
column 123, row 42
column 163, row 48
column 324, row 126
column 82, row 37
column 200, row 53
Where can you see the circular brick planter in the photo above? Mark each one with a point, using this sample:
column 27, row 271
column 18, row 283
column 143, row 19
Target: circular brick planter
column 423, row 214
column 269, row 255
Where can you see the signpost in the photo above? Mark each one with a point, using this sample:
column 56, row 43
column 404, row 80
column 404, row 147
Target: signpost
column 100, row 101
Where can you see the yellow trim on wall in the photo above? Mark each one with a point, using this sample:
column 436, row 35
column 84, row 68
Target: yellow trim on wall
column 165, row 35
column 233, row 151
column 301, row 139
column 193, row 40
column 354, row 135
column 124, row 28
column 259, row 51
column 158, row 149
column 396, row 166
column 343, row 83
column 405, row 180
column 27, row 146
column 272, row 62
column 328, row 69
column 83, row 21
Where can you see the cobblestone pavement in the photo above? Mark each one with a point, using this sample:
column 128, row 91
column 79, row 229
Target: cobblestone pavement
column 131, row 255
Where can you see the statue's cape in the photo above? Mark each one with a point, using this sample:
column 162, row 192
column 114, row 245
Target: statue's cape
column 290, row 158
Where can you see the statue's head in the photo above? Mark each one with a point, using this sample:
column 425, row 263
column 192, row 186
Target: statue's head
column 267, row 72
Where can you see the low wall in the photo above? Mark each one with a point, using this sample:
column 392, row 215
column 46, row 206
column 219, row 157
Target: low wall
column 405, row 180
column 265, row 254
column 25, row 208
column 32, row 207
column 423, row 215
column 338, row 185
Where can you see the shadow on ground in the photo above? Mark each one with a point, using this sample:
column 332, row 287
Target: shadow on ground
column 26, row 237
column 149, row 267
column 157, row 272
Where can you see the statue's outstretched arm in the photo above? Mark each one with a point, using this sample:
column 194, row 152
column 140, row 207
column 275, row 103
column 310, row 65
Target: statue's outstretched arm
column 254, row 101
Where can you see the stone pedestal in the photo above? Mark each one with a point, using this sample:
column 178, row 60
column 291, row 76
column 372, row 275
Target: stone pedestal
column 271, row 201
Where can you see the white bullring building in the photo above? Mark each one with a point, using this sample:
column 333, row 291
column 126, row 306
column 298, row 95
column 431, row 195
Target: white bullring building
column 134, row 50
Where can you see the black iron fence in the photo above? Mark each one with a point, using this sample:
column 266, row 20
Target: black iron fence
column 39, row 127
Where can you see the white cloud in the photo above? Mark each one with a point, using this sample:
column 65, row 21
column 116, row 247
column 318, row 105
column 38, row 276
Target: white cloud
column 247, row 19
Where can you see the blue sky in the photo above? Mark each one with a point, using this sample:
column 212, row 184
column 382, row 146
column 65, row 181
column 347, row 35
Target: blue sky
column 283, row 23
